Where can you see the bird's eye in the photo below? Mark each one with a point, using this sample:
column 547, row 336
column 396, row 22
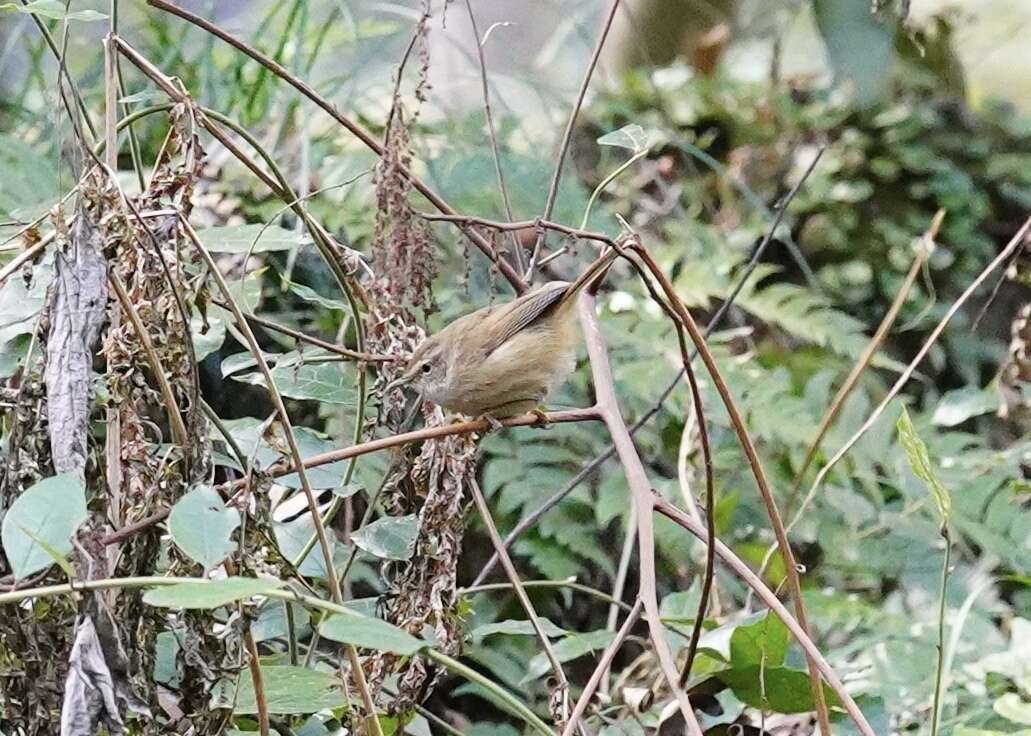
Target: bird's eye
column 425, row 368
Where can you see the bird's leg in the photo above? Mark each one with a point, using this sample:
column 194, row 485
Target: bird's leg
column 493, row 425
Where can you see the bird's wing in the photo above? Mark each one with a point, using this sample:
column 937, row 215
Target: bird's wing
column 524, row 311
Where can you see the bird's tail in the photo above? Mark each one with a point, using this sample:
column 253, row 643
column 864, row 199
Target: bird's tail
column 593, row 275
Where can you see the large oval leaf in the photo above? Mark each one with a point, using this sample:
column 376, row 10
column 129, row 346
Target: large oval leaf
column 41, row 522
column 201, row 526
column 209, row 593
column 290, row 690
column 391, row 538
column 370, row 633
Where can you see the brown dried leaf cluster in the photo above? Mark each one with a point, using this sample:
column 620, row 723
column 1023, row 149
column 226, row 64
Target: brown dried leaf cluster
column 421, row 595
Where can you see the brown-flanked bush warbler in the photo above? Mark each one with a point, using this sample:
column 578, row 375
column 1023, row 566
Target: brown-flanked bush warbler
column 504, row 359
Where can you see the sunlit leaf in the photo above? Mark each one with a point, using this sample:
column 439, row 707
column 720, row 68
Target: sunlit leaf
column 255, row 238
column 390, row 537
column 777, row 689
column 920, row 462
column 329, row 382
column 762, row 642
column 632, row 137
column 53, row 9
column 962, row 404
column 48, row 512
column 370, row 633
column 201, row 526
column 573, row 646
column 513, row 627
column 290, row 690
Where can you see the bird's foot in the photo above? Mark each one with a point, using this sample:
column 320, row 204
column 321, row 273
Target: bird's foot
column 493, row 425
column 542, row 419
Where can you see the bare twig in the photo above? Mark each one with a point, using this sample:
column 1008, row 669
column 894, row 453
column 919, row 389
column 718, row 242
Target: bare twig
column 641, row 492
column 517, row 248
column 524, row 599
column 1016, row 242
column 343, row 352
column 765, row 491
column 567, row 135
column 359, row 132
column 603, row 666
column 535, row 224
column 922, row 254
column 769, row 598
column 258, row 680
column 429, row 433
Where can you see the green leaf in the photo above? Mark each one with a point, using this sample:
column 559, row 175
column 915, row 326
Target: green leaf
column 30, row 184
column 55, row 555
column 290, row 690
column 390, row 537
column 328, row 382
column 763, row 642
column 166, row 651
column 779, row 689
column 330, row 475
column 310, row 295
column 632, row 137
column 370, row 633
column 920, row 462
column 19, row 305
column 53, row 9
column 48, row 512
column 961, row 404
column 254, row 238
column 202, row 526
column 208, row 335
column 572, row 647
column 512, row 627
column 209, row 593
column 271, row 622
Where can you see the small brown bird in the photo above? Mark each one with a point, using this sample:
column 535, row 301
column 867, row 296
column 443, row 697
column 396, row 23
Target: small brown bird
column 503, row 360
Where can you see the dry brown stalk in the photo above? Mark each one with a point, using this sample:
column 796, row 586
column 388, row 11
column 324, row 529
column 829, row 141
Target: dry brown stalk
column 608, row 407
column 769, row 598
column 765, row 491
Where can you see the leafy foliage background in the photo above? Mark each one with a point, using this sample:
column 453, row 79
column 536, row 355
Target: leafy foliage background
column 723, row 151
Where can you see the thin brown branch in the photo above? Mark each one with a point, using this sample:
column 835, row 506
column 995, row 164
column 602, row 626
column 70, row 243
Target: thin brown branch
column 520, row 591
column 567, row 135
column 429, row 433
column 538, row 223
column 641, row 493
column 175, row 417
column 327, row 553
column 517, row 248
column 603, row 667
column 359, row 132
column 765, row 491
column 258, row 680
column 1016, row 242
column 769, row 598
column 312, row 340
